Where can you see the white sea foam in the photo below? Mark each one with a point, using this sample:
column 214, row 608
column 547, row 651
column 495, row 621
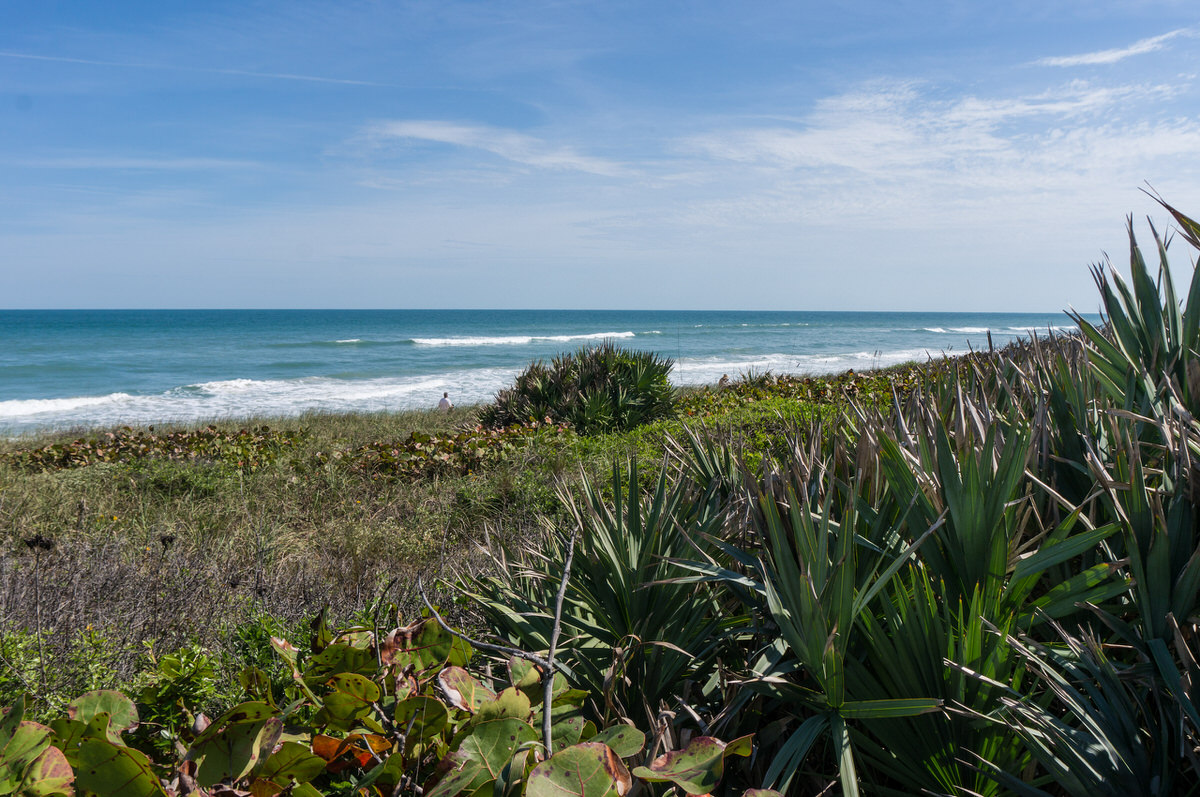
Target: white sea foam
column 518, row 340
column 349, row 340
column 238, row 398
column 18, row 408
column 706, row 370
column 964, row 330
column 1042, row 330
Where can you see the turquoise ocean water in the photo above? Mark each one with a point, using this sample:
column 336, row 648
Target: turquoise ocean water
column 81, row 368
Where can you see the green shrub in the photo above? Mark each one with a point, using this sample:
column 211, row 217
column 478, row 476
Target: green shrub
column 601, row 388
column 178, row 685
column 19, row 664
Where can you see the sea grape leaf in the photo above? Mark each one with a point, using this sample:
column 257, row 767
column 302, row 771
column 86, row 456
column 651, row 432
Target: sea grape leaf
column 523, row 674
column 321, row 633
column 233, row 753
column 342, row 711
column 291, row 762
column 258, row 788
column 625, row 740
column 50, row 775
column 567, row 697
column 511, row 702
column 357, row 748
column 339, row 658
column 697, row 768
column 463, row 690
column 26, row 743
column 566, row 731
column 357, row 637
column 427, row 715
column 29, row 765
column 67, row 735
column 482, row 755
column 252, row 711
column 121, row 711
column 590, row 769
column 405, row 685
column 290, row 655
column 349, row 702
column 11, row 719
column 527, row 676
column 356, row 686
column 102, row 767
column 425, row 645
column 305, row 790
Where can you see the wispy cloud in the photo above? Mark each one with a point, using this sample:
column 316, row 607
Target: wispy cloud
column 507, row 144
column 885, row 129
column 903, row 156
column 1117, row 54
column 200, row 69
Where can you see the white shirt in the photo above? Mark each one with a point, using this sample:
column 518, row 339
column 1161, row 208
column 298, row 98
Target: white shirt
column 445, row 404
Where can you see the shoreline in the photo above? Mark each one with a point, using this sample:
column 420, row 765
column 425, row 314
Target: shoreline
column 130, row 371
column 459, row 414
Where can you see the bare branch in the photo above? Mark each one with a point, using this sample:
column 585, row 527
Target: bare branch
column 548, row 677
column 536, row 659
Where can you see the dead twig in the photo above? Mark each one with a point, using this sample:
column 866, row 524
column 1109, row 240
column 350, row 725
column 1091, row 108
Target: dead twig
column 547, row 664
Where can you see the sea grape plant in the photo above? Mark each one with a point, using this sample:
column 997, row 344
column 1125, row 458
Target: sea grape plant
column 364, row 714
column 424, row 455
column 243, row 450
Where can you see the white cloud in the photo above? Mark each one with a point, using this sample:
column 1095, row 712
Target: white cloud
column 904, row 157
column 887, row 132
column 1114, row 55
column 507, row 144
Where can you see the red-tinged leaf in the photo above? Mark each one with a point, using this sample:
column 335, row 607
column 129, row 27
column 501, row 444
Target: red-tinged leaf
column 424, row 645
column 326, row 747
column 49, row 775
column 265, row 788
column 357, row 749
column 463, row 690
column 697, row 768
column 582, row 770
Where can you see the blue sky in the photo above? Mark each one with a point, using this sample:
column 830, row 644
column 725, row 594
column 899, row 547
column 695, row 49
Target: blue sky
column 698, row 155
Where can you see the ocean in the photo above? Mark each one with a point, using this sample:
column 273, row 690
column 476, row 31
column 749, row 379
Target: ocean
column 65, row 369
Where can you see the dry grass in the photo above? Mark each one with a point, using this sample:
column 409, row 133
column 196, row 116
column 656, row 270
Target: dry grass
column 160, row 554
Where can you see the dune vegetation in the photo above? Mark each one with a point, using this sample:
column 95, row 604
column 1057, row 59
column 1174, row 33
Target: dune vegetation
column 976, row 576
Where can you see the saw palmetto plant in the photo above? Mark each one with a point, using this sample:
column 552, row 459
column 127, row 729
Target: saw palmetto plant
column 989, row 586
